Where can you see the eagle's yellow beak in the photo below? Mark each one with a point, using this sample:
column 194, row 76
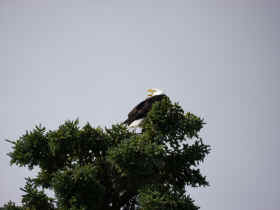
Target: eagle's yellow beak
column 151, row 91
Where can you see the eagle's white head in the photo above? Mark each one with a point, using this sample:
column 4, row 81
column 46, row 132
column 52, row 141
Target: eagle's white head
column 154, row 92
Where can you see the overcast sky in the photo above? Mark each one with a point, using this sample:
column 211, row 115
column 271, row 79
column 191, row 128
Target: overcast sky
column 95, row 59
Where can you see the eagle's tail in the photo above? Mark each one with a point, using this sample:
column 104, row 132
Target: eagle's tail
column 135, row 123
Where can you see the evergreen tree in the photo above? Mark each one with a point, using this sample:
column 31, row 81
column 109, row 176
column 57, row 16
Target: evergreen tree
column 11, row 206
column 113, row 168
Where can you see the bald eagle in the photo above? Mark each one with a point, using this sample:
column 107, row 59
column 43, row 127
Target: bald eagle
column 139, row 112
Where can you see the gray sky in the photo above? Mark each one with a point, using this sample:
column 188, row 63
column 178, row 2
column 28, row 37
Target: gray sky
column 95, row 60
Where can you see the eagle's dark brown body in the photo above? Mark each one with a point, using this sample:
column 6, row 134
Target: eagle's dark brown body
column 141, row 110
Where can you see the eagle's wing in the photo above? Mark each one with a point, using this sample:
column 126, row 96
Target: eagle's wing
column 142, row 109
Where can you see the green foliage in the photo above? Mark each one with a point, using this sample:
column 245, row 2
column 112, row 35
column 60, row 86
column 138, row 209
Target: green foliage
column 34, row 198
column 114, row 168
column 163, row 197
column 11, row 206
column 79, row 188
